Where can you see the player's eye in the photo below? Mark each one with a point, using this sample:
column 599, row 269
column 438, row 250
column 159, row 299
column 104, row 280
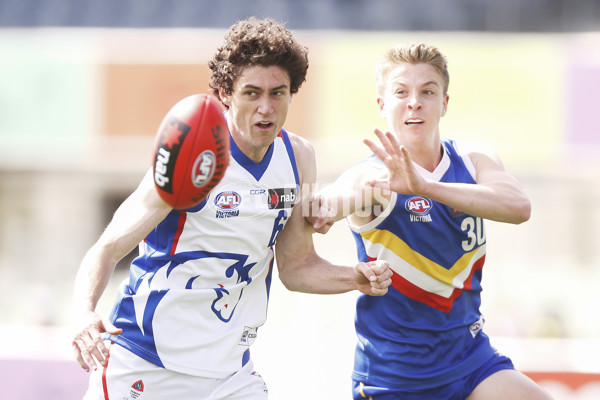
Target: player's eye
column 280, row 92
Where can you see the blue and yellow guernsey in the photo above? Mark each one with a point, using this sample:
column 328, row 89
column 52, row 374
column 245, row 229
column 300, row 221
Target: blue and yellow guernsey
column 426, row 331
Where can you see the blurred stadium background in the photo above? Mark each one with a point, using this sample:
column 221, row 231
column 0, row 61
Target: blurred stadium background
column 84, row 85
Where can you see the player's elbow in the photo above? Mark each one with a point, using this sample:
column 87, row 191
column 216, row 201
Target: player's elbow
column 288, row 284
column 291, row 273
column 288, row 281
column 522, row 211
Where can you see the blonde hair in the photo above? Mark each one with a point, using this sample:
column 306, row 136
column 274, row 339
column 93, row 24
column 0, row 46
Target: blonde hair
column 419, row 53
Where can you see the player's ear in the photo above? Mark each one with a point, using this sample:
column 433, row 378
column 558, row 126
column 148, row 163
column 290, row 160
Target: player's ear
column 380, row 104
column 445, row 106
column 225, row 98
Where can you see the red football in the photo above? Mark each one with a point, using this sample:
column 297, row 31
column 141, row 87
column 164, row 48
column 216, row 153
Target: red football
column 191, row 152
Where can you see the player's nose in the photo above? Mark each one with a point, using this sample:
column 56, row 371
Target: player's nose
column 414, row 103
column 265, row 105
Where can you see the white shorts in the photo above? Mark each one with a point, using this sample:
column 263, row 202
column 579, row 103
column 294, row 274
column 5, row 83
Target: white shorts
column 129, row 377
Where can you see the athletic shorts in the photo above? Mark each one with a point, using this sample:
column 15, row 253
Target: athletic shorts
column 126, row 376
column 457, row 390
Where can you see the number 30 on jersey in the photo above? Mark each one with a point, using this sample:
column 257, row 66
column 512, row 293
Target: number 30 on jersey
column 475, row 230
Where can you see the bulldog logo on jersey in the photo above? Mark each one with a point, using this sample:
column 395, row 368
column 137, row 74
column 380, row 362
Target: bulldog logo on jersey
column 281, row 198
column 228, row 296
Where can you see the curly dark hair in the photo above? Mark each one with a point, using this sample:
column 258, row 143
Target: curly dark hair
column 261, row 42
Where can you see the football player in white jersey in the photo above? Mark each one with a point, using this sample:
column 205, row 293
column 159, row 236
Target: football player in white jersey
column 183, row 321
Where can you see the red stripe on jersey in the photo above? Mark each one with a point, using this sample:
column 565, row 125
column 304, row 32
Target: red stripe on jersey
column 436, row 301
column 477, row 266
column 180, row 225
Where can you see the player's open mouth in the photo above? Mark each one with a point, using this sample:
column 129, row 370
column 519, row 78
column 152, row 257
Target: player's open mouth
column 264, row 125
column 414, row 122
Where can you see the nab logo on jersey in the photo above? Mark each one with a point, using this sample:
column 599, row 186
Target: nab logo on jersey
column 418, row 205
column 281, row 198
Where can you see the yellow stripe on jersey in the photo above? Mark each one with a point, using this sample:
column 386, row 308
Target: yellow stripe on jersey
column 401, row 249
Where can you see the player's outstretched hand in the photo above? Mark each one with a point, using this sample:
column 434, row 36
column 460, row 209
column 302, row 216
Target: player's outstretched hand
column 403, row 177
column 88, row 345
column 319, row 213
column 373, row 278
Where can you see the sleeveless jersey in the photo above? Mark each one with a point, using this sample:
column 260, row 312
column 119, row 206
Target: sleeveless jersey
column 426, row 331
column 199, row 289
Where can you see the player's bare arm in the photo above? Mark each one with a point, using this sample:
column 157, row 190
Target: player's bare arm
column 505, row 197
column 134, row 219
column 349, row 196
column 497, row 195
column 300, row 267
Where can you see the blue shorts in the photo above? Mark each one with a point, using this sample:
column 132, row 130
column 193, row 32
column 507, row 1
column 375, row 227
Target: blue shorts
column 457, row 390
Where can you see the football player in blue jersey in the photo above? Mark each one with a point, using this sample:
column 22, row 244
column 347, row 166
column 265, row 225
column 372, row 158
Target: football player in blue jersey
column 183, row 322
column 419, row 203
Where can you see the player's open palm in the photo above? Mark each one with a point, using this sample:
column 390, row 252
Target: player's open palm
column 403, row 177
